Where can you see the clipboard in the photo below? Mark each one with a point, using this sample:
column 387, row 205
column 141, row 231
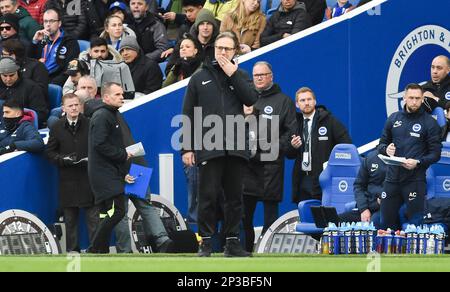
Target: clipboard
column 323, row 215
column 142, row 177
column 392, row 160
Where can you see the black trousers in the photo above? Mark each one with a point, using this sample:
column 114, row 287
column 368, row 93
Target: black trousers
column 412, row 194
column 111, row 212
column 71, row 219
column 270, row 216
column 217, row 177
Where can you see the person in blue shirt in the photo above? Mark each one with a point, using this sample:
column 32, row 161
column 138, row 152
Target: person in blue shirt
column 415, row 135
column 54, row 48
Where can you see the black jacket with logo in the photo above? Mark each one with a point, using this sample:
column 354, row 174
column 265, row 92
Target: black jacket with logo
column 333, row 133
column 415, row 135
column 265, row 179
column 368, row 185
column 107, row 164
column 441, row 90
column 217, row 94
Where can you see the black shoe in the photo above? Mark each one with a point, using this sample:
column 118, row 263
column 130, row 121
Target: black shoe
column 205, row 249
column 168, row 246
column 234, row 249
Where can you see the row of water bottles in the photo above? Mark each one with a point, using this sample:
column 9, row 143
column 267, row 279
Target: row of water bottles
column 363, row 238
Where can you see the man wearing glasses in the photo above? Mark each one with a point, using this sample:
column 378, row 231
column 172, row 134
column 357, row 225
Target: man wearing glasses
column 264, row 178
column 9, row 29
column 54, row 47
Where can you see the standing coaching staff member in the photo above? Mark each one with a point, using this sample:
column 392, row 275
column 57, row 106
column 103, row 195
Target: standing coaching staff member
column 68, row 144
column 317, row 133
column 219, row 88
column 107, row 166
column 415, row 135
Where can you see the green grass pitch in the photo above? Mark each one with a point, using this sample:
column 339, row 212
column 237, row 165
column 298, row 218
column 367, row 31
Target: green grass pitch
column 217, row 263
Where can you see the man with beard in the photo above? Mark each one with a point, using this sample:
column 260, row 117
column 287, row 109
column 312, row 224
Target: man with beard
column 413, row 134
column 17, row 131
column 318, row 132
column 437, row 90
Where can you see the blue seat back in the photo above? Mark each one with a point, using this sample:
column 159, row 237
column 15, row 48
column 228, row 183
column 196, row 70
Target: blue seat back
column 338, row 177
column 54, row 95
column 438, row 175
column 84, row 45
column 163, row 66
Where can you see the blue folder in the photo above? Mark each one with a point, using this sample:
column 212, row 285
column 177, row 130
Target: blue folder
column 142, row 177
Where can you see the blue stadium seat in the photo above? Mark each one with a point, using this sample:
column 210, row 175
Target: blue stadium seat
column 34, row 115
column 164, row 4
column 274, row 4
column 438, row 175
column 163, row 66
column 263, row 6
column 84, row 45
column 54, row 95
column 336, row 181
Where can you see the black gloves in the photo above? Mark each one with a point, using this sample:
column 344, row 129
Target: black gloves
column 7, row 149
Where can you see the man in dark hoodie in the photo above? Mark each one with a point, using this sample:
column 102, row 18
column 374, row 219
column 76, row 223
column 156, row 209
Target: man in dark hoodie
column 290, row 18
column 54, row 48
column 17, row 131
column 107, row 165
column 146, row 74
column 437, row 90
column 318, row 132
column 150, row 31
column 28, row 26
column 25, row 91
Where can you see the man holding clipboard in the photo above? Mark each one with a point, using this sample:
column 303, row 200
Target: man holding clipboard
column 414, row 135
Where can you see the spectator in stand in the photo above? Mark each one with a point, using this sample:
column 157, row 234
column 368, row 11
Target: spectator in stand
column 54, row 48
column 316, row 10
column 29, row 68
column 74, row 22
column 206, row 30
column 35, row 8
column 28, row 26
column 9, row 29
column 150, row 31
column 17, row 131
column 341, row 7
column 437, row 90
column 26, row 92
column 100, row 50
column 290, row 18
column 189, row 60
column 146, row 74
column 67, row 146
column 75, row 70
column 247, row 22
column 220, row 8
column 121, row 10
column 115, row 31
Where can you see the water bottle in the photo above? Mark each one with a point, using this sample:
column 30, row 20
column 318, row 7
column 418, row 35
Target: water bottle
column 411, row 239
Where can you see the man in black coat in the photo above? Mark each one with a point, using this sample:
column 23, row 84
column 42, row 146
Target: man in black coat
column 28, row 93
column 146, row 74
column 316, row 10
column 317, row 133
column 68, row 148
column 219, row 89
column 107, row 165
column 264, row 176
column 290, row 18
column 54, row 47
